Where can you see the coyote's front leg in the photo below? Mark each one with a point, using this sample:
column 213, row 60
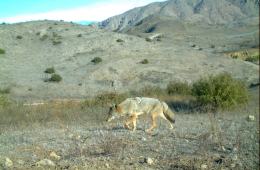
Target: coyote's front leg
column 131, row 120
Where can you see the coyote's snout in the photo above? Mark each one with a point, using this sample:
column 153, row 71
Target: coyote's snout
column 133, row 107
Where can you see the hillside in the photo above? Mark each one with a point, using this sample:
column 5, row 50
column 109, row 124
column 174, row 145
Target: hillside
column 32, row 47
column 192, row 11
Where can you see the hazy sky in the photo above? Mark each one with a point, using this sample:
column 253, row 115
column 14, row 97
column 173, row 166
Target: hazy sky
column 69, row 10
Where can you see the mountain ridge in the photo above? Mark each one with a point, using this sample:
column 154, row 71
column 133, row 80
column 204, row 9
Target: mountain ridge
column 193, row 11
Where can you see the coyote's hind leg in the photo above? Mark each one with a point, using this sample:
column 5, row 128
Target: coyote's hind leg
column 154, row 125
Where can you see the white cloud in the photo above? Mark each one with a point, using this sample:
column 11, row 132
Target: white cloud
column 96, row 12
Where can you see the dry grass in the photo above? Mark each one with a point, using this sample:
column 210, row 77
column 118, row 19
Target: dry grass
column 63, row 112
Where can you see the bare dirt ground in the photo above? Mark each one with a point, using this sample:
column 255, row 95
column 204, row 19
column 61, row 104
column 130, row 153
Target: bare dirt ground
column 200, row 141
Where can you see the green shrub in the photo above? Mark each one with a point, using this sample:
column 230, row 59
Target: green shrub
column 3, row 101
column 2, row 51
column 220, row 92
column 6, row 90
column 144, row 61
column 79, row 35
column 56, row 39
column 182, row 88
column 253, row 58
column 56, row 42
column 96, row 60
column 148, row 39
column 50, row 70
column 55, row 78
column 19, row 37
column 120, row 40
column 43, row 37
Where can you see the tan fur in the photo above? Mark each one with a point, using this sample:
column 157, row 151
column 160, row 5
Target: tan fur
column 133, row 107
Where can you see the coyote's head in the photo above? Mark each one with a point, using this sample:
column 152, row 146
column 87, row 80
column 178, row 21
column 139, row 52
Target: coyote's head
column 112, row 113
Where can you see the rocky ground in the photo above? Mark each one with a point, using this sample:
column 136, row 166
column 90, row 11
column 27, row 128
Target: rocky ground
column 200, row 141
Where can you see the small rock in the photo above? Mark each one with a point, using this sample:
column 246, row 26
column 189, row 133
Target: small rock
column 233, row 165
column 251, row 118
column 71, row 135
column 203, row 166
column 235, row 149
column 21, row 162
column 8, row 162
column 45, row 162
column 78, row 137
column 148, row 160
column 107, row 165
column 234, row 158
column 223, row 148
column 54, row 156
column 74, row 167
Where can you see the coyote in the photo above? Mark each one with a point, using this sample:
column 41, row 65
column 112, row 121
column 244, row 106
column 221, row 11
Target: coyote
column 133, row 107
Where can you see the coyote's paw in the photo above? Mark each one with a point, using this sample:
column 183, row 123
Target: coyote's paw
column 128, row 127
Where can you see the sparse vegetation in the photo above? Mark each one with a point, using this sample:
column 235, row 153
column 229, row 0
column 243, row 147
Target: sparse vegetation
column 56, row 42
column 220, row 92
column 56, row 39
column 252, row 58
column 19, row 37
column 150, row 29
column 148, row 39
column 181, row 88
column 120, row 40
column 3, row 101
column 6, row 90
column 96, row 60
column 43, row 37
column 152, row 91
column 144, row 61
column 50, row 70
column 3, row 98
column 55, row 78
column 2, row 51
column 250, row 55
column 105, row 99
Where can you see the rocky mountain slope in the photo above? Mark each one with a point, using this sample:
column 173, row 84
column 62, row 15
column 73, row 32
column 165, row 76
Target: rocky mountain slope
column 192, row 11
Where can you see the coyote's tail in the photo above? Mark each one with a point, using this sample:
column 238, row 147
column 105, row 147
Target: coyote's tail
column 168, row 113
